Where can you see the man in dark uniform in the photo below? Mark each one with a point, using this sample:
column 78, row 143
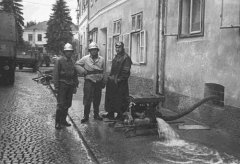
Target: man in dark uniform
column 65, row 82
column 117, row 90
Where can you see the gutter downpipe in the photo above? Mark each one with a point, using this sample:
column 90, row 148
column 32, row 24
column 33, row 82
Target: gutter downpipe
column 163, row 47
column 88, row 18
column 157, row 41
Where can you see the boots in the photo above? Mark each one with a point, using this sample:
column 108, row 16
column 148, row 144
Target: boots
column 64, row 122
column 96, row 113
column 97, row 117
column 58, row 124
column 86, row 113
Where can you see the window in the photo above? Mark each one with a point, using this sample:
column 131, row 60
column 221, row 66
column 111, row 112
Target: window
column 191, row 18
column 94, row 35
column 137, row 21
column 30, row 37
column 117, row 27
column 115, row 40
column 39, row 37
column 109, row 49
column 126, row 42
column 94, row 38
column 91, row 3
column 138, row 47
column 84, row 5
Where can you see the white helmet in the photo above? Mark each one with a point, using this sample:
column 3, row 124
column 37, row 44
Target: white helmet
column 93, row 45
column 68, row 47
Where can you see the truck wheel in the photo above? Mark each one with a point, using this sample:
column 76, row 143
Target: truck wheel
column 35, row 68
column 20, row 66
column 11, row 79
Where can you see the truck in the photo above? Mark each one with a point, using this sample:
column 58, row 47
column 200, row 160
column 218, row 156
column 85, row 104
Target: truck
column 8, row 43
column 28, row 59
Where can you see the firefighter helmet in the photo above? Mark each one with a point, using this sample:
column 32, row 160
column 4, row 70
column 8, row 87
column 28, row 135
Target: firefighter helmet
column 68, row 47
column 93, row 45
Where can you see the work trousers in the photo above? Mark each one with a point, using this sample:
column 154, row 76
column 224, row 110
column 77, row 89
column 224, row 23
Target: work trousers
column 92, row 94
column 64, row 101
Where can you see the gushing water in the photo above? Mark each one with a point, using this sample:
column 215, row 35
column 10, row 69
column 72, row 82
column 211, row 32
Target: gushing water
column 165, row 132
column 172, row 149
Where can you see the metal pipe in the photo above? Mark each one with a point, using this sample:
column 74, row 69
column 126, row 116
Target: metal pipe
column 156, row 53
column 192, row 108
column 163, row 46
column 221, row 15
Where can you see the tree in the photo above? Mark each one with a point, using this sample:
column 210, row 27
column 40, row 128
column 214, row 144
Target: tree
column 31, row 23
column 59, row 27
column 15, row 7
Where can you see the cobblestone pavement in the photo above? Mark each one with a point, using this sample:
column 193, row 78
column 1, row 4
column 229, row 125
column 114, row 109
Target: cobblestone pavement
column 27, row 133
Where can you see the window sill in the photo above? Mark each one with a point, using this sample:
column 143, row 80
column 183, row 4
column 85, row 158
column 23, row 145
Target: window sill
column 181, row 36
column 139, row 64
column 136, row 30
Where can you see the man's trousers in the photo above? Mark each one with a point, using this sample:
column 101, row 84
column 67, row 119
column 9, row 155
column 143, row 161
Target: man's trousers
column 92, row 93
column 64, row 101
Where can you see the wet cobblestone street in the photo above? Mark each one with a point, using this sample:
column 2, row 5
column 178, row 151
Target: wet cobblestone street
column 27, row 133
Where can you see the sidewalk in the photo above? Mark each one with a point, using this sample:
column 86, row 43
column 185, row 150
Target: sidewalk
column 110, row 145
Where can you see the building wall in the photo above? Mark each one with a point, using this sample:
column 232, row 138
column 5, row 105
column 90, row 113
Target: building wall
column 213, row 58
column 83, row 24
column 102, row 16
column 83, row 37
column 35, row 38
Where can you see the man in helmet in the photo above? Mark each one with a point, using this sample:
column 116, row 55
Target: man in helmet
column 117, row 90
column 93, row 69
column 65, row 82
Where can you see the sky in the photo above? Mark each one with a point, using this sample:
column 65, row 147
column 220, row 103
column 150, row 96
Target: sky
column 35, row 10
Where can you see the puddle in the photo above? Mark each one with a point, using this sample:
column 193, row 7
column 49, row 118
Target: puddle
column 171, row 149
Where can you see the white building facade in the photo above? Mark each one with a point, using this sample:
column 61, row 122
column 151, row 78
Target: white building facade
column 35, row 35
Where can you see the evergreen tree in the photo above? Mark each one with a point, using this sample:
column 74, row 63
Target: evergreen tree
column 15, row 7
column 59, row 27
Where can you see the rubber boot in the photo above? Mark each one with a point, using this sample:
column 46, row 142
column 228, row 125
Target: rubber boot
column 64, row 117
column 86, row 113
column 58, row 118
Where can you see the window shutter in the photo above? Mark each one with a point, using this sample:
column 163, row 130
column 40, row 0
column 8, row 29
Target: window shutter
column 109, row 48
column 143, row 53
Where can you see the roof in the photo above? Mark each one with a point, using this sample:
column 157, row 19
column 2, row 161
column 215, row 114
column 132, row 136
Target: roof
column 39, row 26
column 43, row 26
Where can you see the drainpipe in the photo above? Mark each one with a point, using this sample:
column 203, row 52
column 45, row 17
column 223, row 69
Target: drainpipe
column 163, row 46
column 88, row 18
column 157, row 40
